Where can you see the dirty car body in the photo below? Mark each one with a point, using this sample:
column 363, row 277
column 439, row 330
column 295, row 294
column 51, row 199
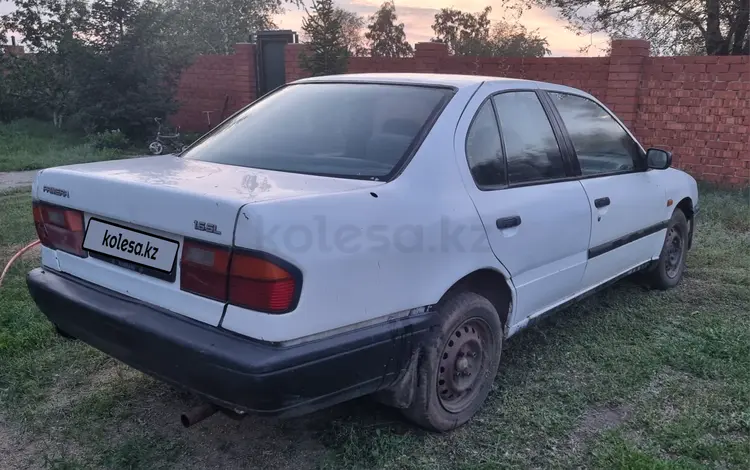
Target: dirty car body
column 298, row 255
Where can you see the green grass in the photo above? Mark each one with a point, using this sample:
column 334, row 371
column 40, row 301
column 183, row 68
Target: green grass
column 630, row 379
column 29, row 145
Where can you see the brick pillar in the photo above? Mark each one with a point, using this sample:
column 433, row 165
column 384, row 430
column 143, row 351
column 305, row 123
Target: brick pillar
column 627, row 59
column 294, row 70
column 244, row 74
column 427, row 56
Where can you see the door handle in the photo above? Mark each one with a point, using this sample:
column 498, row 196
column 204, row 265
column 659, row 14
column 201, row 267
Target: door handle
column 601, row 202
column 508, row 222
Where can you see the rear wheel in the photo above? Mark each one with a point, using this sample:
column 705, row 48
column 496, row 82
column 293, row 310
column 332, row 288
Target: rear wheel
column 671, row 265
column 458, row 365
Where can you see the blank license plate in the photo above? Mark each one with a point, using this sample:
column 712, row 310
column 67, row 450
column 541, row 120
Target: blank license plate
column 131, row 245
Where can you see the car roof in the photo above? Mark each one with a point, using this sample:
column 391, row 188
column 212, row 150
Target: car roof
column 436, row 79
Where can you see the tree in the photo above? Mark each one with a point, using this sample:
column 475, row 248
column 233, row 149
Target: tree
column 463, row 33
column 45, row 23
column 353, row 24
column 712, row 27
column 133, row 76
column 386, row 38
column 470, row 34
column 109, row 20
column 45, row 85
column 326, row 53
column 107, row 64
column 514, row 40
column 215, row 26
column 34, row 86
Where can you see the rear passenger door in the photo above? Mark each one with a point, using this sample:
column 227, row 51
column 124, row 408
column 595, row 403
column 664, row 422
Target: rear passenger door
column 627, row 202
column 537, row 222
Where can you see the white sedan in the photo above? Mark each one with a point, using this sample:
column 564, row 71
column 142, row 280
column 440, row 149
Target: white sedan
column 358, row 234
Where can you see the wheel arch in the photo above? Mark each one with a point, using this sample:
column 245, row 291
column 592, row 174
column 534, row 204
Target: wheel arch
column 491, row 284
column 487, row 282
column 687, row 208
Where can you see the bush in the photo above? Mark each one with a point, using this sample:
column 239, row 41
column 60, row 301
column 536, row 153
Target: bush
column 190, row 137
column 113, row 139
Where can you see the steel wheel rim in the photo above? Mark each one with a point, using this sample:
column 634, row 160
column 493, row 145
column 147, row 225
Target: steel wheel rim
column 675, row 243
column 462, row 365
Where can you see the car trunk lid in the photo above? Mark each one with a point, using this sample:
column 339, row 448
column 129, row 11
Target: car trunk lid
column 159, row 202
column 170, row 194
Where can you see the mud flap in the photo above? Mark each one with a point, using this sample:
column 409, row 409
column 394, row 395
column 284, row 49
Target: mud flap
column 400, row 394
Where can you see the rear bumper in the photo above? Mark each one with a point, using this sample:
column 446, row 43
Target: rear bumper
column 221, row 366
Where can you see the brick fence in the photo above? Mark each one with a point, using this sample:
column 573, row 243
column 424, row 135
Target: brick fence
column 214, row 87
column 698, row 107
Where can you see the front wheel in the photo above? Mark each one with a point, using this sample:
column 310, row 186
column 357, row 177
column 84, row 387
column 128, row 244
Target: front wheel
column 156, row 148
column 671, row 265
column 458, row 365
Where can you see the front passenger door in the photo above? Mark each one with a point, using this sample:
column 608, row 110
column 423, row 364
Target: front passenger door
column 627, row 202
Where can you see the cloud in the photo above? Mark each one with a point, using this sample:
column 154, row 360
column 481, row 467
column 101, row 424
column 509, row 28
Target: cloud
column 418, row 15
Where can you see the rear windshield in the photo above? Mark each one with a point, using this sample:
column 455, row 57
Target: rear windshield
column 334, row 129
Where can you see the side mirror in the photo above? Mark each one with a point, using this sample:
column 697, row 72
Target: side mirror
column 658, row 159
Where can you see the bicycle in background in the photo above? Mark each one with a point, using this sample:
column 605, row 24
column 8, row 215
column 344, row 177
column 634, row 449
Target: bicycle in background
column 171, row 142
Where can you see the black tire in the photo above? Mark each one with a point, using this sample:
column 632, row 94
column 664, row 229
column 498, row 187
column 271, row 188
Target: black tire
column 458, row 363
column 671, row 265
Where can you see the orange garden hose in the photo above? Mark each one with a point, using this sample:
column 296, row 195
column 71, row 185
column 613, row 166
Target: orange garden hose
column 15, row 257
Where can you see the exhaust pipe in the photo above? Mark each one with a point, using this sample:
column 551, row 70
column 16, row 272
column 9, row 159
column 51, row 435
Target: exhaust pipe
column 198, row 414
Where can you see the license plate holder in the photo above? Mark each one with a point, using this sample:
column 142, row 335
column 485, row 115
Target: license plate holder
column 131, row 245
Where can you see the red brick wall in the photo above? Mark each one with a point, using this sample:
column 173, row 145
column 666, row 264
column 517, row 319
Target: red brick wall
column 294, row 70
column 210, row 82
column 698, row 107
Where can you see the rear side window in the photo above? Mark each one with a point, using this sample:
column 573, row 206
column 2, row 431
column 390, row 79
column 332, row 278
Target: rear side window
column 333, row 129
column 531, row 148
column 600, row 142
column 484, row 150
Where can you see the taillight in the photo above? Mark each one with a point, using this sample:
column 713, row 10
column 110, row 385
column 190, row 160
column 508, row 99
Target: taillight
column 245, row 279
column 204, row 269
column 260, row 284
column 59, row 228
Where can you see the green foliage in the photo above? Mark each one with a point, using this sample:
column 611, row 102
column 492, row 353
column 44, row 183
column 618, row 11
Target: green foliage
column 98, row 66
column 134, row 76
column 463, row 33
column 712, row 27
column 215, row 26
column 113, row 139
column 386, row 38
column 43, row 85
column 514, row 40
column 189, row 137
column 28, row 144
column 327, row 52
column 469, row 34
